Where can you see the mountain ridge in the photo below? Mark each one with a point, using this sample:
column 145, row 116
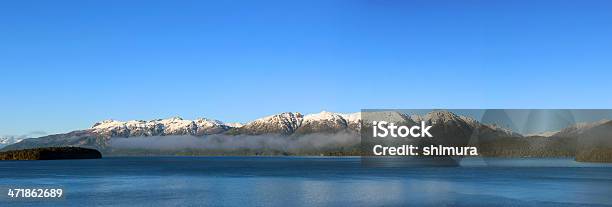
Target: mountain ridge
column 295, row 124
column 283, row 124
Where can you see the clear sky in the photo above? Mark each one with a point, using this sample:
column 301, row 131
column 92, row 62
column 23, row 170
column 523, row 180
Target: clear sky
column 66, row 64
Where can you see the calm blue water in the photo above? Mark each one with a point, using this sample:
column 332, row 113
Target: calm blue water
column 308, row 181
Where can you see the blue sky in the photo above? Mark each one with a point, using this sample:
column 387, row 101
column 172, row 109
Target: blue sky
column 67, row 64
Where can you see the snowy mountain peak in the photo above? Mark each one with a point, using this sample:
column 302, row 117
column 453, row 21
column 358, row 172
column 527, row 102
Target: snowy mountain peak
column 208, row 122
column 170, row 126
column 416, row 118
column 235, row 124
column 281, row 116
column 441, row 116
column 323, row 115
column 588, row 125
column 353, row 117
column 579, row 128
column 391, row 116
column 10, row 140
column 471, row 121
column 283, row 123
column 106, row 124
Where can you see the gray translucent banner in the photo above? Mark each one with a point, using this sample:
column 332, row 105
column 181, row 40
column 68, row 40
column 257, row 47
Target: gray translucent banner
column 453, row 137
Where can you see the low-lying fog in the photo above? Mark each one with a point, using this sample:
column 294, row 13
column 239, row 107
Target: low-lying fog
column 228, row 142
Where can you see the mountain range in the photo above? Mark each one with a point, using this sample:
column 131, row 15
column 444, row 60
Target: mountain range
column 494, row 140
column 283, row 124
column 290, row 124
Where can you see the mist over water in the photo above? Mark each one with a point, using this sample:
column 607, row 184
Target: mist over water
column 229, row 142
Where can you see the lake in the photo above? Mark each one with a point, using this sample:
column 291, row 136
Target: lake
column 308, row 181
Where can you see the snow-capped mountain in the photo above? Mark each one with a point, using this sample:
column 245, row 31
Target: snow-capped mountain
column 353, row 120
column 449, row 124
column 159, row 127
column 571, row 131
column 284, row 124
column 447, row 127
column 389, row 116
column 322, row 122
column 5, row 141
column 578, row 129
column 9, row 140
column 235, row 124
column 289, row 123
